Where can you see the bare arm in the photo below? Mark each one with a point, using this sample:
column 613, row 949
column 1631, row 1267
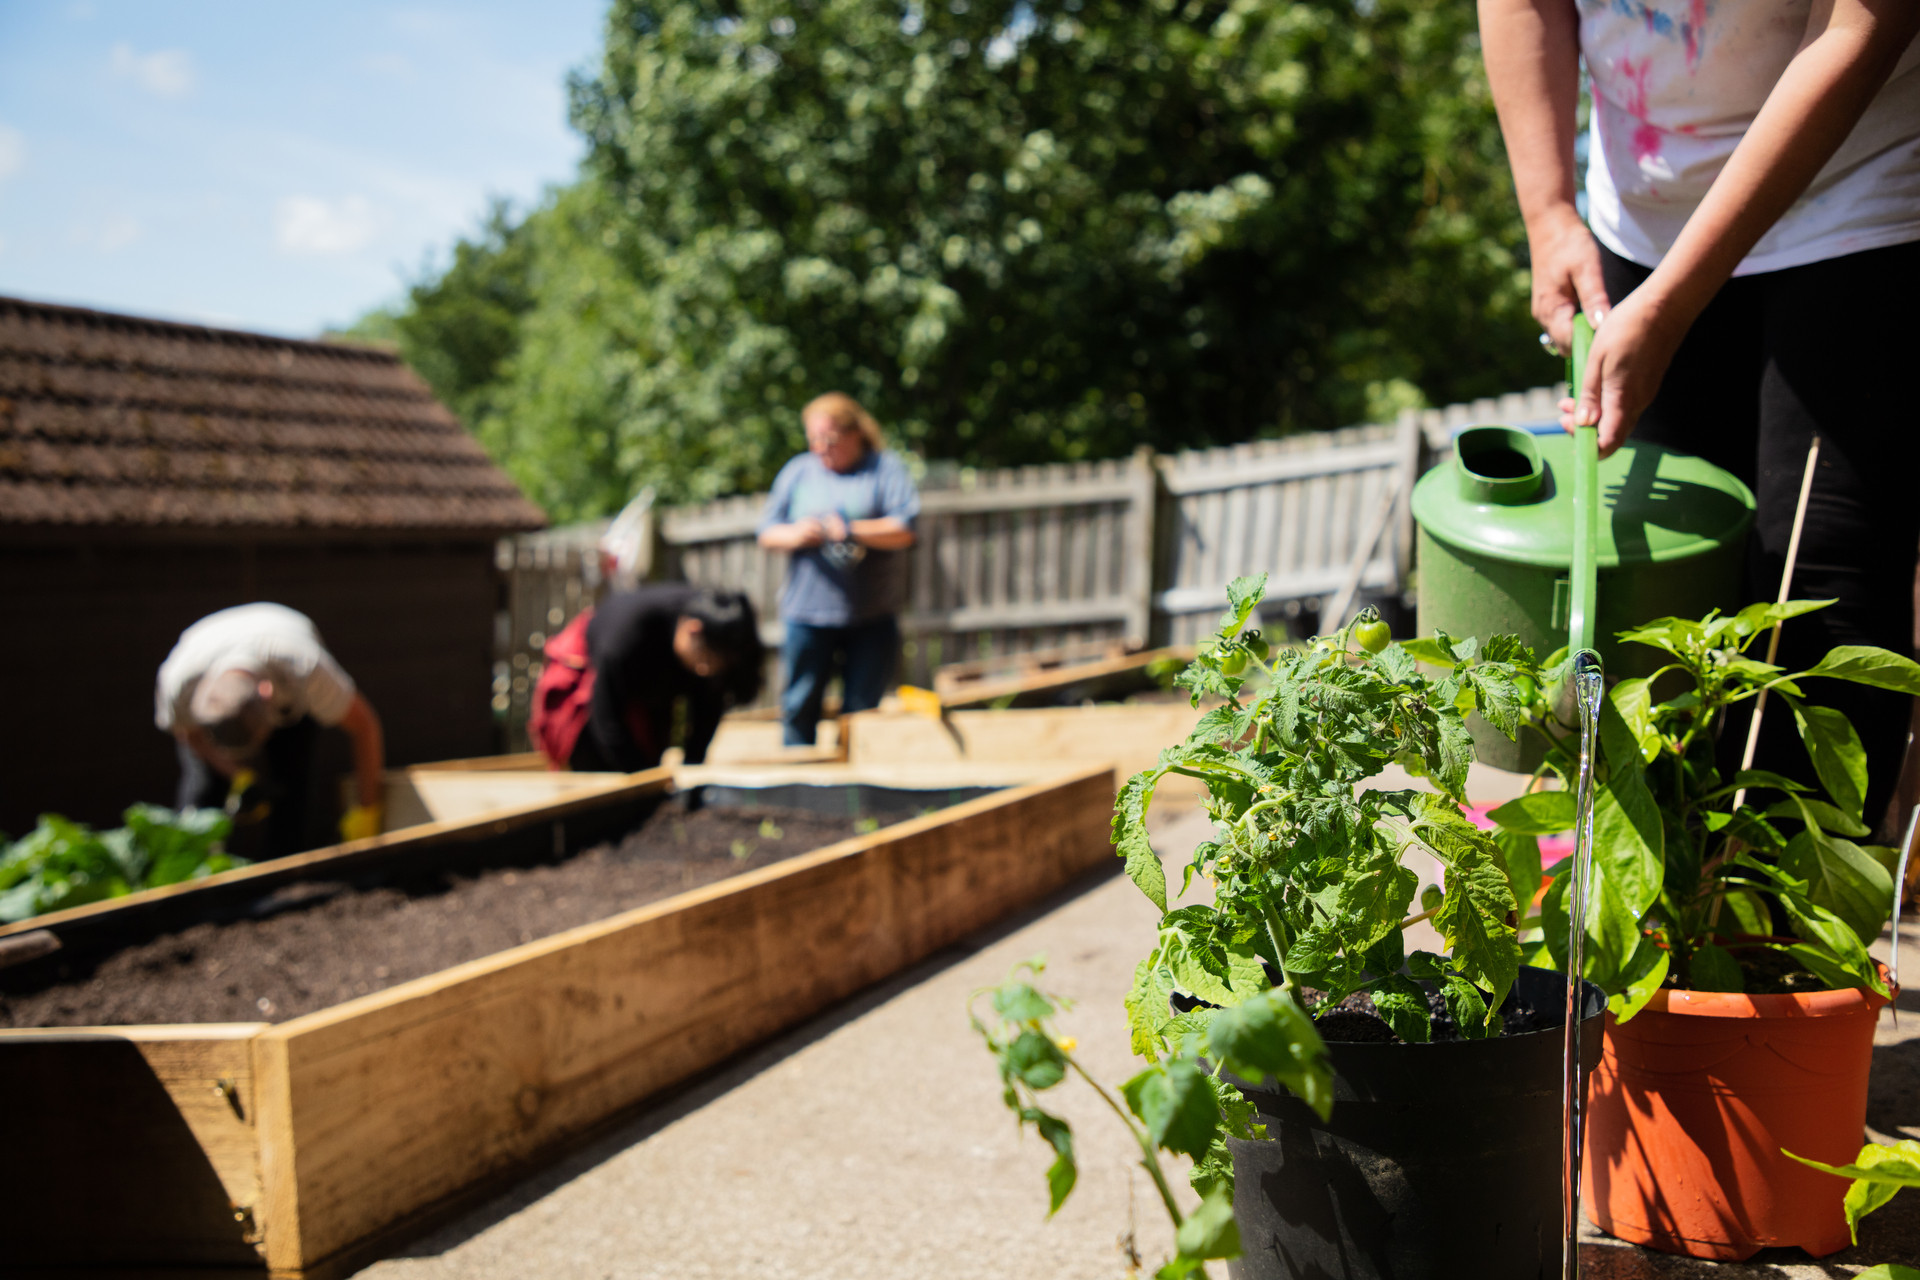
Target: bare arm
column 882, row 534
column 792, row 537
column 369, row 751
column 1532, row 50
column 1850, row 48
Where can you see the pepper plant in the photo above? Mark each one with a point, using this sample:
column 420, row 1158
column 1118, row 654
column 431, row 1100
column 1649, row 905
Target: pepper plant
column 1683, row 854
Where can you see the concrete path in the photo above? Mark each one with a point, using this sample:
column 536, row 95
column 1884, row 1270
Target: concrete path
column 872, row 1143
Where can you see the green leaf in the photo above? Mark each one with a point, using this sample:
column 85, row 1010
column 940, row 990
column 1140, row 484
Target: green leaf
column 1455, row 754
column 1713, row 968
column 1843, row 878
column 1747, row 912
column 1537, row 813
column 1147, row 1009
column 1832, row 949
column 1473, row 916
column 1402, row 1004
column 1375, row 892
column 1645, row 973
column 1817, row 812
column 1130, row 836
column 1019, row 1002
column 1521, row 855
column 1063, row 1172
column 1865, row 664
column 1436, row 652
column 1271, row 1037
column 1476, row 1018
column 1889, row 1271
column 1175, row 1100
column 1210, row 1230
column 1035, row 1061
column 1243, row 597
column 1879, row 1172
column 1838, row 758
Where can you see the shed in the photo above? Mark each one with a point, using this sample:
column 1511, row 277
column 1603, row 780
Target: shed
column 153, row 472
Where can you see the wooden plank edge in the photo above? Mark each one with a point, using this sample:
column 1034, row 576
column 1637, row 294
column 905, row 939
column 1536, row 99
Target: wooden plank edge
column 491, row 822
column 137, row 1032
column 421, row 988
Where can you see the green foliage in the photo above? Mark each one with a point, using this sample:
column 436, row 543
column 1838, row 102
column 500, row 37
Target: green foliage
column 1678, row 868
column 1878, row 1173
column 64, row 864
column 1174, row 1106
column 1017, row 231
column 1307, row 870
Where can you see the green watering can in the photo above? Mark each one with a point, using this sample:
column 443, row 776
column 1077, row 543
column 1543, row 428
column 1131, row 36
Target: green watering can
column 1535, row 535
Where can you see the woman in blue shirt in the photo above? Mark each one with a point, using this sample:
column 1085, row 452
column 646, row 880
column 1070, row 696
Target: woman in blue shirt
column 845, row 510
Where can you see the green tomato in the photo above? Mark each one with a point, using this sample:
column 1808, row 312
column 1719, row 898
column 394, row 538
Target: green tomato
column 1233, row 662
column 1526, row 688
column 1257, row 645
column 1373, row 636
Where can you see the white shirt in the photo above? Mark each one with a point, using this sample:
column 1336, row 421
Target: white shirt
column 1676, row 83
column 270, row 640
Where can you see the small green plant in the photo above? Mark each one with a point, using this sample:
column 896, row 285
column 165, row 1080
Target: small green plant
column 1174, row 1110
column 866, row 826
column 1308, row 886
column 64, row 864
column 1878, row 1173
column 1679, row 869
column 1309, row 895
column 770, row 830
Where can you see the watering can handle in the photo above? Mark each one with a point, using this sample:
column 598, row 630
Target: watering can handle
column 1586, row 499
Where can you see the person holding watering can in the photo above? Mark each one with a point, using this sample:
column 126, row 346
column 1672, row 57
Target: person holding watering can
column 845, row 510
column 1751, row 247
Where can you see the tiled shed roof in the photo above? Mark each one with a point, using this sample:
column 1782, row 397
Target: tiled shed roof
column 110, row 420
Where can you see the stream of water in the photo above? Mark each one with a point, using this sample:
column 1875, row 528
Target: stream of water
column 1586, row 693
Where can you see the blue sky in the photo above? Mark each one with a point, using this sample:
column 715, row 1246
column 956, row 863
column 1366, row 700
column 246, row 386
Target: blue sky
column 269, row 166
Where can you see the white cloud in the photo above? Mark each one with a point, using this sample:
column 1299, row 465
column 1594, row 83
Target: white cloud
column 13, row 151
column 165, row 73
column 309, row 225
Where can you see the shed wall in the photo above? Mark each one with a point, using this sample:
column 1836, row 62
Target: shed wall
column 86, row 626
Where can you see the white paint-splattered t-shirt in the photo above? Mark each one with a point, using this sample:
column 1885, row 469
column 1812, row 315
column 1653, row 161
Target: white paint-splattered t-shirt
column 1675, row 85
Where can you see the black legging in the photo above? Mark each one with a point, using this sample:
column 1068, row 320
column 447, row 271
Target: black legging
column 1774, row 360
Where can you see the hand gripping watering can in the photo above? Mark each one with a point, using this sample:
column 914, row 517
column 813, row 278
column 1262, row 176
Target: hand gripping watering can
column 1497, row 549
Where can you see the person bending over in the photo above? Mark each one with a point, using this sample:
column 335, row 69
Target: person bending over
column 244, row 693
column 606, row 698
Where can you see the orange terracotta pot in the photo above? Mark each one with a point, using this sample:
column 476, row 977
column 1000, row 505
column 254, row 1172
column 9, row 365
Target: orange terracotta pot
column 1694, row 1099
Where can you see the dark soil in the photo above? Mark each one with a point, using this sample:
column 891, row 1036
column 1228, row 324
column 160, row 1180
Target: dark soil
column 313, row 945
column 1353, row 1020
column 1766, row 972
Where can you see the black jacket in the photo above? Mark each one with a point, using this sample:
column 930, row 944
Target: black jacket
column 630, row 647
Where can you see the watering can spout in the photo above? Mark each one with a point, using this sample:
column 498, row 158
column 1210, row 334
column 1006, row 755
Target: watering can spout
column 1586, row 500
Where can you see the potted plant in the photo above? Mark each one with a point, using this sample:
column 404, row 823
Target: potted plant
column 1728, row 920
column 1442, row 1155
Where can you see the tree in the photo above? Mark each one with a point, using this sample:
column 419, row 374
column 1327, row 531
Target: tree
column 1019, row 231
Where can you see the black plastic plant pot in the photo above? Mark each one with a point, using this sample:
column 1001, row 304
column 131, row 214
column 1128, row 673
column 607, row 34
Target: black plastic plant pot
column 1440, row 1161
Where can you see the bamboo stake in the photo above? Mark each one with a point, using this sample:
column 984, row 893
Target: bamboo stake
column 1786, row 586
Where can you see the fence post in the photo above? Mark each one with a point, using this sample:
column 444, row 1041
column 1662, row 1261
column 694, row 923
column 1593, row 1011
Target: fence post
column 1138, row 582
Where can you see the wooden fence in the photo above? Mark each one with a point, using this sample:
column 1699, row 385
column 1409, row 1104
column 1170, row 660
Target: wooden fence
column 1118, row 554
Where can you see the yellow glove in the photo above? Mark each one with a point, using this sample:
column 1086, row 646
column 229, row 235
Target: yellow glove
column 360, row 822
column 237, row 788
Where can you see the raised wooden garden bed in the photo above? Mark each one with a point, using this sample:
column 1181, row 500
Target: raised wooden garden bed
column 300, row 1146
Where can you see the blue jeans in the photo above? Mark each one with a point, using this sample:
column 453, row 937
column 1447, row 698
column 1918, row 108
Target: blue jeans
column 863, row 654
